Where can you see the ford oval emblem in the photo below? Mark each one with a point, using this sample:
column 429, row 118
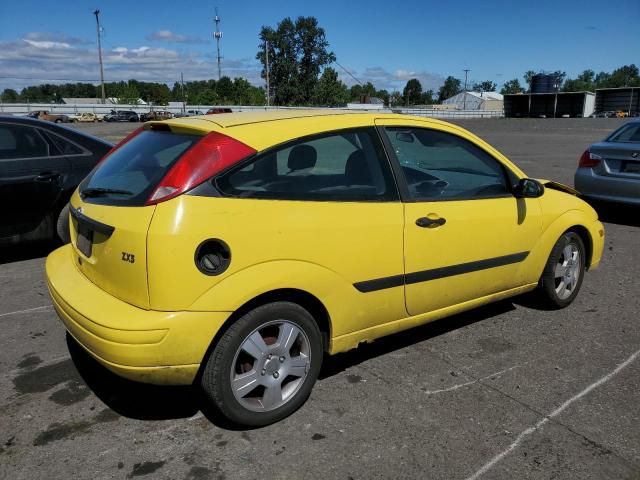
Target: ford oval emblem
column 79, row 210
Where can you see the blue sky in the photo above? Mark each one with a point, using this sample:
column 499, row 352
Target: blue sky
column 379, row 41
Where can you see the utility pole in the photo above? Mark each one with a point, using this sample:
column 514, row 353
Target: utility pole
column 266, row 52
column 218, row 35
column 464, row 102
column 97, row 13
column 182, row 85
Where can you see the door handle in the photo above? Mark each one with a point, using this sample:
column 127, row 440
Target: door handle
column 426, row 222
column 47, row 176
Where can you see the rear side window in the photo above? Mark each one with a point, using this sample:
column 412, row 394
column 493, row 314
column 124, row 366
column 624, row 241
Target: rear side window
column 626, row 133
column 129, row 174
column 348, row 165
column 20, row 141
column 65, row 147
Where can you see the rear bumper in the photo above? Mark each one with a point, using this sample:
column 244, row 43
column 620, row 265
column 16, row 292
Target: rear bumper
column 143, row 345
column 608, row 188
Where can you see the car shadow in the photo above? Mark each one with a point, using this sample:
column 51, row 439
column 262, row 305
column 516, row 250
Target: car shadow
column 342, row 361
column 155, row 402
column 619, row 214
column 26, row 251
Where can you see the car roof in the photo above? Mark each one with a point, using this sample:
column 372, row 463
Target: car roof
column 281, row 125
column 54, row 127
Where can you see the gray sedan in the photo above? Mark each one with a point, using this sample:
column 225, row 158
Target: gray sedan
column 610, row 170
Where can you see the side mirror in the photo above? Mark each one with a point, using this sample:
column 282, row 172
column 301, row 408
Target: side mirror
column 528, row 188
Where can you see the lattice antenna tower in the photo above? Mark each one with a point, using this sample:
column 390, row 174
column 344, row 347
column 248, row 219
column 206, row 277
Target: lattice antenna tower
column 218, row 36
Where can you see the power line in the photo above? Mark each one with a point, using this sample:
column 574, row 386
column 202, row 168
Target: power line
column 348, row 73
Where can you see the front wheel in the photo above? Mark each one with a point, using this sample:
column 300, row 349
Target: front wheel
column 264, row 366
column 564, row 271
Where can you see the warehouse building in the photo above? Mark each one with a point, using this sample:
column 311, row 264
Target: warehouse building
column 549, row 105
column 475, row 101
column 625, row 99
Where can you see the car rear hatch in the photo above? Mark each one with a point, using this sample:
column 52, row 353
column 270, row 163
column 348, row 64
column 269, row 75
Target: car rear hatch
column 113, row 207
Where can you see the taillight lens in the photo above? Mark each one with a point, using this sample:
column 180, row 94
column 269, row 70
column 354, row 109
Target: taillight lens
column 212, row 154
column 589, row 160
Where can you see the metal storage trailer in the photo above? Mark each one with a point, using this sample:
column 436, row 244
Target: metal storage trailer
column 574, row 104
column 626, row 99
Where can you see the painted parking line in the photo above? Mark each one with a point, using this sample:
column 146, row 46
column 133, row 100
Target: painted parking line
column 490, row 464
column 28, row 310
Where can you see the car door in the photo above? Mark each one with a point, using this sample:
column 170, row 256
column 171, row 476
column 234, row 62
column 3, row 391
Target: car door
column 30, row 178
column 337, row 208
column 466, row 235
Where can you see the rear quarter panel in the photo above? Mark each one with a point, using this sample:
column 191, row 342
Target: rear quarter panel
column 319, row 247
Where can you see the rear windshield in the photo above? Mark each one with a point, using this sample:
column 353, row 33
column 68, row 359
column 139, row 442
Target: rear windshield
column 128, row 176
column 627, row 133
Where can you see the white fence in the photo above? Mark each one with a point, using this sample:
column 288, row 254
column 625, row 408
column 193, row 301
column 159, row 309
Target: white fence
column 70, row 109
column 435, row 113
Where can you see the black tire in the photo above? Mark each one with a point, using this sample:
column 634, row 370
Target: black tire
column 62, row 225
column 546, row 291
column 223, row 360
column 58, row 120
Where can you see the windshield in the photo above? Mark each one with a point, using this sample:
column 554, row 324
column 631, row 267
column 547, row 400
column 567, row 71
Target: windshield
column 128, row 175
column 627, row 133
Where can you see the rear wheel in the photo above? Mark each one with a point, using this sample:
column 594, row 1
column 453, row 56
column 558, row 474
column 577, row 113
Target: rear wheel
column 564, row 271
column 264, row 366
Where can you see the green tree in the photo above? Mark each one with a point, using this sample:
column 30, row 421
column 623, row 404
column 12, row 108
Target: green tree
column 528, row 78
column 297, row 52
column 9, row 95
column 128, row 93
column 625, row 76
column 512, row 86
column 451, row 87
column 582, row 83
column 486, row 86
column 427, row 98
column 412, row 93
column 330, row 91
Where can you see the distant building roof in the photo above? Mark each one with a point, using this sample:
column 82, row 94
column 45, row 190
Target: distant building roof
column 71, row 100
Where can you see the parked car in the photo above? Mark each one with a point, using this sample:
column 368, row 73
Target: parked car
column 188, row 113
column 122, row 116
column 86, row 117
column 50, row 117
column 41, row 164
column 156, row 115
column 212, row 111
column 236, row 253
column 610, row 170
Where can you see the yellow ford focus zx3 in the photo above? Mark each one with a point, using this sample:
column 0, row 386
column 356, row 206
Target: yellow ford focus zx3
column 234, row 251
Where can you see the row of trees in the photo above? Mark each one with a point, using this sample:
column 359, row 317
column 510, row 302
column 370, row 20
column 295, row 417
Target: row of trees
column 588, row 80
column 206, row 92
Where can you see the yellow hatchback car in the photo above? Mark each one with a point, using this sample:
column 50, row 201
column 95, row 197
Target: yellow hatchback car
column 234, row 251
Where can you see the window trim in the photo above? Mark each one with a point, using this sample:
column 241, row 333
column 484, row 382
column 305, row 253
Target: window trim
column 401, row 181
column 393, row 195
column 83, row 151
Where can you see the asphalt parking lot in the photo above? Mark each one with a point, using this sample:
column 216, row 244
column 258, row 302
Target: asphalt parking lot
column 507, row 391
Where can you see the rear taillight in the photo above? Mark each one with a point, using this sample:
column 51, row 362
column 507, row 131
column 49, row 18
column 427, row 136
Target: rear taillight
column 212, row 154
column 588, row 160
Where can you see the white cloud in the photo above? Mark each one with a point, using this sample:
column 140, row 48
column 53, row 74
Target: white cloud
column 40, row 58
column 169, row 36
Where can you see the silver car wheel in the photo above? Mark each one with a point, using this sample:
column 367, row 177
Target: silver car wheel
column 567, row 271
column 270, row 366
